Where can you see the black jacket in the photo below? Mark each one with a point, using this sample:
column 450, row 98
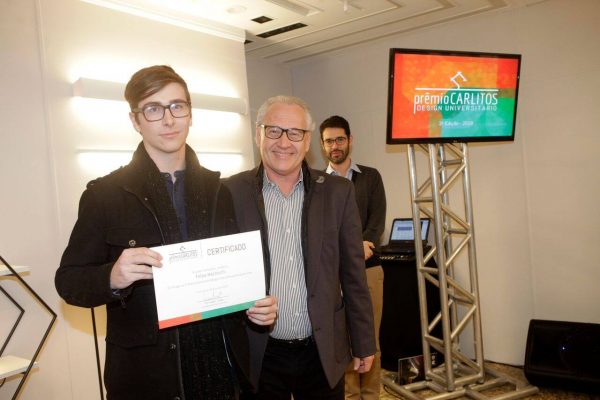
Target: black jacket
column 333, row 263
column 120, row 211
column 370, row 198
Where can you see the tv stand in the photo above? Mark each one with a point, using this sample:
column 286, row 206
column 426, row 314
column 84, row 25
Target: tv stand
column 454, row 236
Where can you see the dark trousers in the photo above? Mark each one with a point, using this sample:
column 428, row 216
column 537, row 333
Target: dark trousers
column 294, row 368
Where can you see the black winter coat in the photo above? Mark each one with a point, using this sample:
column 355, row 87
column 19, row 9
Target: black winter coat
column 120, row 211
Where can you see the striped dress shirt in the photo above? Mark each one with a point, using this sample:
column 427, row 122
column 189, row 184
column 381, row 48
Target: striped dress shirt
column 288, row 283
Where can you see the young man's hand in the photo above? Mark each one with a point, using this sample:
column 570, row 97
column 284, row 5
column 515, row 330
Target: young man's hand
column 133, row 265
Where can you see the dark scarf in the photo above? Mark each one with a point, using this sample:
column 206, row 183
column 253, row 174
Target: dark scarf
column 205, row 370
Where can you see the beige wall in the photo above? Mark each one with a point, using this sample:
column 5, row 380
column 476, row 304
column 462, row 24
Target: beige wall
column 535, row 217
column 267, row 79
column 45, row 46
column 537, row 226
column 28, row 218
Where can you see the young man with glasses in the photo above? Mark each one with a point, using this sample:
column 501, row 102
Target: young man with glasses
column 336, row 140
column 162, row 196
column 314, row 263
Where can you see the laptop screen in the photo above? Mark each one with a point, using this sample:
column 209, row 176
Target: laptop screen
column 402, row 230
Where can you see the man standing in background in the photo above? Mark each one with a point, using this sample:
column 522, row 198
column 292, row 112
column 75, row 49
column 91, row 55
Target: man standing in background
column 336, row 140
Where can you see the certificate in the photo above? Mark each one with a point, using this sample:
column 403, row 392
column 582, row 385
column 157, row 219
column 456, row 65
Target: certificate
column 210, row 277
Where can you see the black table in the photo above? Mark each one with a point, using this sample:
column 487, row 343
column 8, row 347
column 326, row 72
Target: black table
column 400, row 332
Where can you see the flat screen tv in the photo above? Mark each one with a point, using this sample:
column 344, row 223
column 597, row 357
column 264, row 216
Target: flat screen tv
column 438, row 96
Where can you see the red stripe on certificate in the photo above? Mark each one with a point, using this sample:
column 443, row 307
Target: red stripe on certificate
column 167, row 323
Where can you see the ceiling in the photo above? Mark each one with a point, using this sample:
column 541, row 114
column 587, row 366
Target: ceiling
column 294, row 30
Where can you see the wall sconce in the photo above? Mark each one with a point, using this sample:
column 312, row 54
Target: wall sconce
column 106, row 90
column 101, row 162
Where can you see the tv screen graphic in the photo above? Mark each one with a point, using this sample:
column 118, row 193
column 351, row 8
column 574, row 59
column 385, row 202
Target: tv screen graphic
column 438, row 96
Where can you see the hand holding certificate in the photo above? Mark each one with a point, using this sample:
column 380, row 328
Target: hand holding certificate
column 209, row 277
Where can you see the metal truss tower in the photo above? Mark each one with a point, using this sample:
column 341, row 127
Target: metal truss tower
column 456, row 277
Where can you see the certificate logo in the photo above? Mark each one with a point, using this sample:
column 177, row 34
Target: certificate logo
column 184, row 254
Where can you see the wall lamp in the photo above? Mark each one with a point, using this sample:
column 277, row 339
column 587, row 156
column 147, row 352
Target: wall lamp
column 106, row 90
column 101, row 162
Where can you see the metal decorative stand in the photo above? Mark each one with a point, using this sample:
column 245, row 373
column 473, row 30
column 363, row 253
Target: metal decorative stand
column 459, row 375
column 42, row 340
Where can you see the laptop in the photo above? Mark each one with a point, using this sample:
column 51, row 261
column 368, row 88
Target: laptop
column 402, row 235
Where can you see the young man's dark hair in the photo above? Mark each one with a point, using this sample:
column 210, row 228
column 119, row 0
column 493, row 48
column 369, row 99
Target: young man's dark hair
column 148, row 81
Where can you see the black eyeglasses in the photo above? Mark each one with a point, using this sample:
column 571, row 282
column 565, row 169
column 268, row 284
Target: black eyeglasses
column 156, row 112
column 275, row 132
column 340, row 140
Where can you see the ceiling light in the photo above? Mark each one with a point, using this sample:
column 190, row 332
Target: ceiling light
column 262, row 19
column 288, row 5
column 281, row 30
column 237, row 9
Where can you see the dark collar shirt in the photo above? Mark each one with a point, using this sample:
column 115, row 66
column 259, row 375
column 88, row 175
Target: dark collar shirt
column 353, row 168
column 177, row 193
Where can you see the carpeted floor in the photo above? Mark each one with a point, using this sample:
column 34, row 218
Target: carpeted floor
column 513, row 372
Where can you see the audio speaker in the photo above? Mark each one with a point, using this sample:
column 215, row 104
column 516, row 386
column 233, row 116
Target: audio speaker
column 563, row 354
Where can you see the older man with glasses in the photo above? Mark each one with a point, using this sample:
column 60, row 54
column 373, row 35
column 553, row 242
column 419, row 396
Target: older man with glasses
column 314, row 263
